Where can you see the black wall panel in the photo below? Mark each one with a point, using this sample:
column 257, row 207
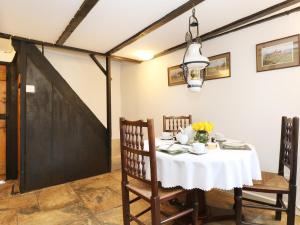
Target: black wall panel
column 64, row 139
column 39, row 152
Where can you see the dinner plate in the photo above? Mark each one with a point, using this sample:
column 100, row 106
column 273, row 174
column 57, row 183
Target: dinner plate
column 173, row 148
column 221, row 140
column 174, row 152
column 234, row 143
column 166, row 138
column 197, row 153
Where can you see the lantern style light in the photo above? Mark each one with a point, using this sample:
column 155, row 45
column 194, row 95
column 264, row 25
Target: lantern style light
column 193, row 61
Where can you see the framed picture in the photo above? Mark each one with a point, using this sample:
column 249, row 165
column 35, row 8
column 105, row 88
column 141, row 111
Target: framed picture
column 219, row 67
column 175, row 76
column 277, row 54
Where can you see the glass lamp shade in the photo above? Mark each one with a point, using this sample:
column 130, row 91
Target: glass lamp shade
column 195, row 78
column 193, row 63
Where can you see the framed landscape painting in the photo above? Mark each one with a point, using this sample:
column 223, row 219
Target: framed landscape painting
column 277, row 54
column 219, row 67
column 175, row 76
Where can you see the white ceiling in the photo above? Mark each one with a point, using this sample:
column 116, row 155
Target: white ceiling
column 111, row 22
column 211, row 14
column 37, row 19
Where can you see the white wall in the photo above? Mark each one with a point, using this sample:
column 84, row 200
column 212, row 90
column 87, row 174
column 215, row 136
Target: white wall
column 247, row 106
column 87, row 80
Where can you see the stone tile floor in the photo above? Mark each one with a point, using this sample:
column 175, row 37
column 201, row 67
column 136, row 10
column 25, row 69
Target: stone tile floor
column 93, row 201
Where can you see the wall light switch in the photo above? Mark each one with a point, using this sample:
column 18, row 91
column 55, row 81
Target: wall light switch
column 30, row 88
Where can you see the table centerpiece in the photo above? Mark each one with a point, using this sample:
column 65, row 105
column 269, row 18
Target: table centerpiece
column 202, row 130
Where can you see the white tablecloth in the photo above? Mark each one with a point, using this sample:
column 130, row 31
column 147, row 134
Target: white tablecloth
column 221, row 169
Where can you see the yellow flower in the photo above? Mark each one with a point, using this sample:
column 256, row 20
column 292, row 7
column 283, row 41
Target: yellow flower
column 201, row 126
column 207, row 126
column 194, row 126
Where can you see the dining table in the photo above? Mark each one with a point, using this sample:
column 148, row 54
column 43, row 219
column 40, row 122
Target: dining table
column 219, row 168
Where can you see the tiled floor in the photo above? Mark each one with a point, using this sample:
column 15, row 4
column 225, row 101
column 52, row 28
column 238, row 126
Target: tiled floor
column 92, row 201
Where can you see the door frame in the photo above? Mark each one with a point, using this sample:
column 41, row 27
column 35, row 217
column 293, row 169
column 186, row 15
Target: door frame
column 5, row 115
column 11, row 128
column 21, row 62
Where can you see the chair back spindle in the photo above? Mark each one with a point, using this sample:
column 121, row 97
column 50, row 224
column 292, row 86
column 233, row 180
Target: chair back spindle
column 289, row 147
column 174, row 123
column 133, row 153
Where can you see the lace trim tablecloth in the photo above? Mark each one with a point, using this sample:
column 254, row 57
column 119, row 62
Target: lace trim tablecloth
column 220, row 169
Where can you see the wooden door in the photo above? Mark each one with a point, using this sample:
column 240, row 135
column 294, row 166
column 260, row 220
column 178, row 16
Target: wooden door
column 2, row 121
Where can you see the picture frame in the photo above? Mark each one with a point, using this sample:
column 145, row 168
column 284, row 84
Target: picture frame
column 175, row 76
column 219, row 67
column 278, row 54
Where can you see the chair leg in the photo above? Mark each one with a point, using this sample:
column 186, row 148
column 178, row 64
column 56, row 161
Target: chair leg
column 126, row 205
column 196, row 207
column 278, row 204
column 238, row 205
column 291, row 206
column 155, row 211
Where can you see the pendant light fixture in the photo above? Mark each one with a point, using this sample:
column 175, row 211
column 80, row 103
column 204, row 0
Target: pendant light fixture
column 193, row 60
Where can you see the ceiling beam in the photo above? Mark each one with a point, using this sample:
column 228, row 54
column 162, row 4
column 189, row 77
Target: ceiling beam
column 43, row 43
column 252, row 17
column 167, row 18
column 83, row 11
column 93, row 57
column 120, row 58
column 285, row 13
column 242, row 23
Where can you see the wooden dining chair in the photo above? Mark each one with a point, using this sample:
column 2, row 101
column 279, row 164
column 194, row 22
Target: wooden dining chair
column 173, row 123
column 137, row 162
column 276, row 183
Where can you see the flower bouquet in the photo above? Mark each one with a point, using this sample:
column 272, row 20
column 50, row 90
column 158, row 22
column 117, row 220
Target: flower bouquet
column 202, row 130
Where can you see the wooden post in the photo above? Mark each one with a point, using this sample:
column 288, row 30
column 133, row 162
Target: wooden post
column 22, row 65
column 107, row 72
column 108, row 106
column 238, row 197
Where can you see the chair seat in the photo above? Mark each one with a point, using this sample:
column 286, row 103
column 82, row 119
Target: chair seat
column 144, row 190
column 271, row 182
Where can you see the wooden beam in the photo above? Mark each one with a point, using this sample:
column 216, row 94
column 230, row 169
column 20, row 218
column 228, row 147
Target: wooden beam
column 124, row 59
column 38, row 42
column 240, row 24
column 285, row 13
column 167, row 18
column 43, row 43
column 83, row 11
column 93, row 57
column 252, row 17
column 108, row 108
